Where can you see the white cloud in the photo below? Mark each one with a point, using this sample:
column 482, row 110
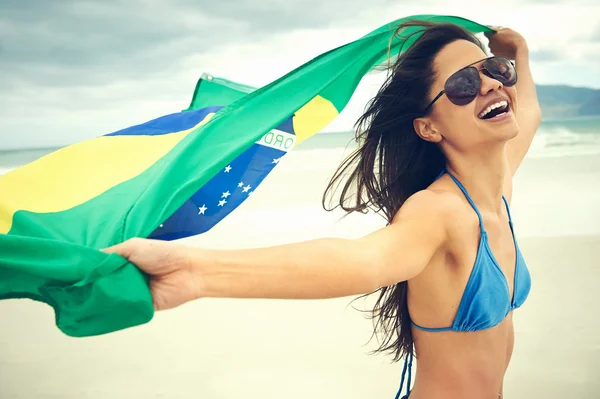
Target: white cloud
column 145, row 62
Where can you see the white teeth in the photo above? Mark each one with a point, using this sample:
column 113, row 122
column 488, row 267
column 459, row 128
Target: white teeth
column 489, row 109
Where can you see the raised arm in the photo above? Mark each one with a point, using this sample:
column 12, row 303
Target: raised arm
column 321, row 268
column 511, row 44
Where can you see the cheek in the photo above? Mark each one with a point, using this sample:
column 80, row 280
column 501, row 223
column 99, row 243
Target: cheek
column 456, row 120
column 512, row 93
column 456, row 116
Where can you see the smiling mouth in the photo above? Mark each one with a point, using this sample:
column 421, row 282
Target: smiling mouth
column 497, row 109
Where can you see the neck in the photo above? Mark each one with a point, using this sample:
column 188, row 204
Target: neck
column 482, row 173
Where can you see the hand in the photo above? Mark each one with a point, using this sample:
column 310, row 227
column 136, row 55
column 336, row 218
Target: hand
column 169, row 265
column 506, row 42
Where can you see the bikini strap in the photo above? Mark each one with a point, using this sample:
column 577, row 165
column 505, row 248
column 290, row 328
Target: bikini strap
column 507, row 210
column 464, row 190
column 441, row 174
column 407, row 366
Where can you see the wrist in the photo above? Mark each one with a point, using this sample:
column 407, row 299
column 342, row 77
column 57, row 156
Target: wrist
column 199, row 262
column 522, row 50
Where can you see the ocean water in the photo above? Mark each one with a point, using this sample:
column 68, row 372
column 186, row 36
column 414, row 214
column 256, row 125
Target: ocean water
column 555, row 138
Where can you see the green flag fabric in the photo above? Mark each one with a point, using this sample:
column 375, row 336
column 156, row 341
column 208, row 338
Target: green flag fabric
column 172, row 177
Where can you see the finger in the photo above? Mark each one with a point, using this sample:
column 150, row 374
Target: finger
column 125, row 249
column 495, row 29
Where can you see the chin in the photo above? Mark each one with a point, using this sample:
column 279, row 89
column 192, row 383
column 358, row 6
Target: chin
column 504, row 127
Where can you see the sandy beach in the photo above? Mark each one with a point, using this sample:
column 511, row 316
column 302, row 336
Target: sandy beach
column 220, row 348
column 227, row 348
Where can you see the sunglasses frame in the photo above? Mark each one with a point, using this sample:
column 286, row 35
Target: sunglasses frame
column 478, row 70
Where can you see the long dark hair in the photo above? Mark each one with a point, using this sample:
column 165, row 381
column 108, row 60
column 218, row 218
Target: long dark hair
column 392, row 162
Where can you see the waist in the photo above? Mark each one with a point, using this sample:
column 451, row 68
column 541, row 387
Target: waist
column 462, row 364
column 455, row 385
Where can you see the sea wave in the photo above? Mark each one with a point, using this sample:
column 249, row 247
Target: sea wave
column 575, row 133
column 5, row 170
column 561, row 136
column 559, row 141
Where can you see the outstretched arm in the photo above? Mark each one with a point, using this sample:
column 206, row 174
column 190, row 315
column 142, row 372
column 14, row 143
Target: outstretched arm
column 321, row 268
column 330, row 267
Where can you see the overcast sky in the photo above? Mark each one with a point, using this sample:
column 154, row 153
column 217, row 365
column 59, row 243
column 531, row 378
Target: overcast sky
column 74, row 69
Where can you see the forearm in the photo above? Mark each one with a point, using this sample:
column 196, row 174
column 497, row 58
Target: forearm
column 323, row 268
column 525, row 85
column 527, row 113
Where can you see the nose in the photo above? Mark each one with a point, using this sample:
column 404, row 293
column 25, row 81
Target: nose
column 488, row 83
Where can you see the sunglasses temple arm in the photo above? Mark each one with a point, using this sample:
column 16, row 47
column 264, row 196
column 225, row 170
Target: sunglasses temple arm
column 435, row 99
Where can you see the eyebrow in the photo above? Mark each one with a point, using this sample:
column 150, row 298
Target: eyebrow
column 476, row 62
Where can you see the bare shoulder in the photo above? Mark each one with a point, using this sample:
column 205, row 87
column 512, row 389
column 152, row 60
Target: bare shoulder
column 440, row 205
column 419, row 231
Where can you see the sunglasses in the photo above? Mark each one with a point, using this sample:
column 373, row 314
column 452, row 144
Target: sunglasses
column 462, row 87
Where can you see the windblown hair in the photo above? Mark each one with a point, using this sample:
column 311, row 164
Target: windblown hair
column 392, row 162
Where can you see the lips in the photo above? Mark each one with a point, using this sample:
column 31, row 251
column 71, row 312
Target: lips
column 494, row 107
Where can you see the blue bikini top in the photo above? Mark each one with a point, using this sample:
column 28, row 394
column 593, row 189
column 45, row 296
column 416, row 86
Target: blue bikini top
column 486, row 300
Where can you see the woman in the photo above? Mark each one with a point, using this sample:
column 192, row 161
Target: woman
column 440, row 145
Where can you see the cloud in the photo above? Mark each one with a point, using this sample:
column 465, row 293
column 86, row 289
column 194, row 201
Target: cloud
column 595, row 36
column 94, row 42
column 554, row 2
column 74, row 43
column 545, row 55
column 74, row 69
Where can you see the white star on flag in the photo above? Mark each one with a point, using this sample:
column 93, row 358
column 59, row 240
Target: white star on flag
column 226, row 194
column 222, row 202
column 160, row 226
column 276, row 160
column 245, row 190
column 202, row 210
column 241, row 184
column 228, row 168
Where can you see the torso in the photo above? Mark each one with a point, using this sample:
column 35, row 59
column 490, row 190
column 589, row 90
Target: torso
column 457, row 364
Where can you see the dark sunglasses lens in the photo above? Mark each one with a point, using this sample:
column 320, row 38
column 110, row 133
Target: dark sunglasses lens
column 462, row 87
column 501, row 69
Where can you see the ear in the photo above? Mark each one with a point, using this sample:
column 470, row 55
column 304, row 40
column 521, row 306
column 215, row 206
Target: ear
column 426, row 130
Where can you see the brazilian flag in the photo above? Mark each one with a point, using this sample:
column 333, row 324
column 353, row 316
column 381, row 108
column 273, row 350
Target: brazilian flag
column 171, row 177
